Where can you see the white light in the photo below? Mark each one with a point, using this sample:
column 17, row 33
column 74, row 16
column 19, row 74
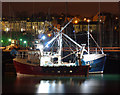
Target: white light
column 43, row 37
column 7, row 29
column 25, row 42
column 33, row 27
column 91, row 30
column 88, row 20
column 40, row 31
column 36, row 41
column 22, row 29
column 13, row 41
column 47, row 46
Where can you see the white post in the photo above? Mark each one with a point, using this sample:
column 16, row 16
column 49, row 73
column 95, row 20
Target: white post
column 96, row 50
column 60, row 49
column 88, row 38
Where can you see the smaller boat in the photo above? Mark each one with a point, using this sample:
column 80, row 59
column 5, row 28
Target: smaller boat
column 96, row 60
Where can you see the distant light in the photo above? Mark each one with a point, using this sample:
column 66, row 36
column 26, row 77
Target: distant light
column 88, row 20
column 21, row 29
column 49, row 35
column 33, row 27
column 76, row 21
column 43, row 37
column 116, row 18
column 74, row 31
column 25, row 42
column 9, row 39
column 20, row 39
column 91, row 30
column 1, row 41
column 100, row 20
column 7, row 29
column 85, row 19
column 28, row 18
column 60, row 18
column 115, row 27
column 13, row 41
column 36, row 41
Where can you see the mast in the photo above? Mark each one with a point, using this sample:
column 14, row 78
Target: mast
column 59, row 41
column 60, row 48
column 88, row 38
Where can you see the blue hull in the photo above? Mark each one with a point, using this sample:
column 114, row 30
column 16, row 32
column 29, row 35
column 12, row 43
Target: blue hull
column 96, row 65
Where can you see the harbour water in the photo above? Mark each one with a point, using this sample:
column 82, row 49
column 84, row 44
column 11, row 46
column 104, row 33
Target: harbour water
column 95, row 83
column 108, row 83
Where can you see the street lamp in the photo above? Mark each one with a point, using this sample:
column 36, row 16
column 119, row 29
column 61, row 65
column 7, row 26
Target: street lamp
column 1, row 41
column 76, row 21
column 20, row 39
column 25, row 42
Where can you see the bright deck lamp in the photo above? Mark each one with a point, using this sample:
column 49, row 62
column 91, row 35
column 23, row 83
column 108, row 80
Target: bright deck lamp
column 43, row 37
column 49, row 35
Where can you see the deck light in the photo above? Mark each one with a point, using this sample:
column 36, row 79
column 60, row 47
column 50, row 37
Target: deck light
column 43, row 37
column 49, row 35
column 36, row 41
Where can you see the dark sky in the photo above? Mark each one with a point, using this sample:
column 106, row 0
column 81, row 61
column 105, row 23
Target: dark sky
column 87, row 9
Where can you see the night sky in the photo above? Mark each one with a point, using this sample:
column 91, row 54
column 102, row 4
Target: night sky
column 86, row 9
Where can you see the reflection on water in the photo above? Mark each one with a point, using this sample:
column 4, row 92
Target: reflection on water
column 93, row 84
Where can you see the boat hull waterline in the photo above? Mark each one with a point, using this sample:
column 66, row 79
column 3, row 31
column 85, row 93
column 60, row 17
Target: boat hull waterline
column 41, row 70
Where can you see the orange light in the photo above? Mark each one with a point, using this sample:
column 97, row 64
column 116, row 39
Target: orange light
column 85, row 19
column 88, row 20
column 49, row 35
column 76, row 21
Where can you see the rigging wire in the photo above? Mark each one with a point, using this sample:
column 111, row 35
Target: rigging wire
column 70, row 49
column 96, row 42
column 68, row 42
column 68, row 45
column 70, row 54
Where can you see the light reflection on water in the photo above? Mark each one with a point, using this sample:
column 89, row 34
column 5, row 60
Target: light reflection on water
column 93, row 84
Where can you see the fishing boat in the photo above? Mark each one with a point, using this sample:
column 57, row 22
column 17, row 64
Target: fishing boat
column 42, row 62
column 96, row 60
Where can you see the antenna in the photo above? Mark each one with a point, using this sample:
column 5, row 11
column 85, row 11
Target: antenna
column 99, row 25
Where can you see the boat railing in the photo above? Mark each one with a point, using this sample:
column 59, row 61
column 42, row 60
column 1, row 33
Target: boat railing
column 27, row 54
column 22, row 54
